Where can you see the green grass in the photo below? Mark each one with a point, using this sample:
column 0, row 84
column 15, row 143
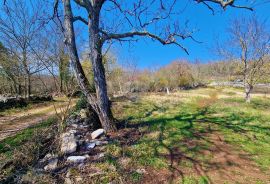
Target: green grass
column 14, row 142
column 180, row 130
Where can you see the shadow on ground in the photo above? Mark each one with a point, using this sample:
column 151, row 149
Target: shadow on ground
column 193, row 146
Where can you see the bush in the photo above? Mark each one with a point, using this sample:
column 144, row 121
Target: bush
column 82, row 103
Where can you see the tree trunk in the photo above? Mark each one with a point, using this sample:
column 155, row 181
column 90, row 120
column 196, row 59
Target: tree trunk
column 120, row 86
column 28, row 88
column 101, row 103
column 61, row 71
column 61, row 84
column 248, row 90
column 167, row 90
column 19, row 89
column 25, row 84
column 104, row 114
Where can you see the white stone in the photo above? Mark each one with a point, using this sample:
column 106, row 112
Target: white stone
column 68, row 143
column 141, row 171
column 98, row 142
column 73, row 131
column 76, row 159
column 97, row 133
column 90, row 145
column 52, row 165
column 101, row 155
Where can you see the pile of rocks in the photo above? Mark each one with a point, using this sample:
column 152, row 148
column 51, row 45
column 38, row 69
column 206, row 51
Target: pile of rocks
column 78, row 144
column 11, row 102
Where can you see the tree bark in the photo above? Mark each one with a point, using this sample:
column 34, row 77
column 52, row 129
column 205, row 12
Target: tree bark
column 27, row 77
column 167, row 90
column 248, row 90
column 104, row 114
column 100, row 103
column 28, row 89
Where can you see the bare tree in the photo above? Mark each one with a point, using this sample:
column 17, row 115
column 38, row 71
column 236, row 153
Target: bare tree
column 250, row 44
column 109, row 20
column 20, row 28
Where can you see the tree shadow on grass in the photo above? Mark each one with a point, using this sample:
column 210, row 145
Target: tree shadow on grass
column 186, row 138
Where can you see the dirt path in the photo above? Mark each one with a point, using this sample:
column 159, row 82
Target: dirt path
column 11, row 124
column 229, row 164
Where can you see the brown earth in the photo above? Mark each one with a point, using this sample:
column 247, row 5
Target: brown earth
column 10, row 124
column 227, row 165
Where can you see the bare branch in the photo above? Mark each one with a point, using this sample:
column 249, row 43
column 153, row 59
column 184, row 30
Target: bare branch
column 55, row 14
column 171, row 39
column 209, row 7
column 224, row 4
column 79, row 18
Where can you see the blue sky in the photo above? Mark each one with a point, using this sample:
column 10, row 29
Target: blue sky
column 147, row 53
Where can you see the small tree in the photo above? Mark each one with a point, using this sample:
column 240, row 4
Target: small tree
column 249, row 44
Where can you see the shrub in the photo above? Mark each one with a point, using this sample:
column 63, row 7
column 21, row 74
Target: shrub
column 205, row 103
column 82, row 103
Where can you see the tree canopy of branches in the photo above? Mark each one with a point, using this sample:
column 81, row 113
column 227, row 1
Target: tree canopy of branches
column 20, row 30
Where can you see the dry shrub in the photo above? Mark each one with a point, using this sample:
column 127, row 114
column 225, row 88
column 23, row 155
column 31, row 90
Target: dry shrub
column 205, row 103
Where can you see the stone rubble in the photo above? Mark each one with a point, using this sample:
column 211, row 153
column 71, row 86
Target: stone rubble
column 79, row 144
column 52, row 165
column 97, row 133
column 68, row 143
column 76, row 159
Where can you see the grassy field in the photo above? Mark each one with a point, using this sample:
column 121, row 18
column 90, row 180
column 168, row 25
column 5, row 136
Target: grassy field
column 199, row 136
column 207, row 135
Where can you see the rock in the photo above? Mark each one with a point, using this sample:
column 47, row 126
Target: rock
column 93, row 143
column 101, row 155
column 83, row 113
column 52, row 165
column 90, row 145
column 97, row 133
column 83, row 126
column 72, row 131
column 99, row 143
column 68, row 181
column 68, row 143
column 74, row 125
column 81, row 142
column 76, row 159
column 73, row 119
column 141, row 171
column 47, row 158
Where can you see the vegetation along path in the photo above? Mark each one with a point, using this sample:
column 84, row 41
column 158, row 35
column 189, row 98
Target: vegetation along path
column 15, row 120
